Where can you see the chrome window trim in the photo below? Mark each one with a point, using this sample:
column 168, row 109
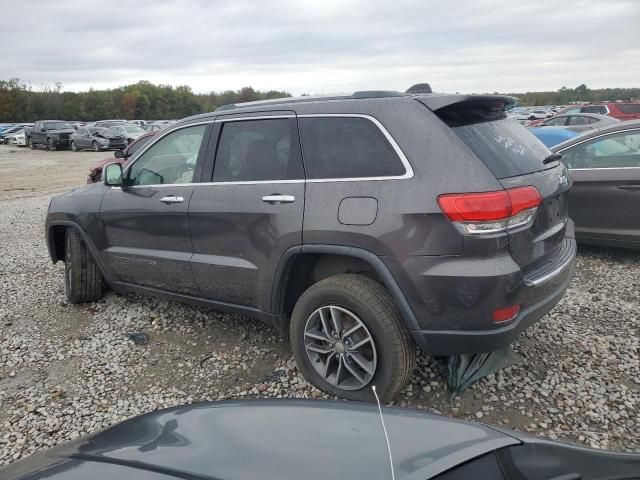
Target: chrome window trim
column 598, row 137
column 261, row 117
column 155, row 140
column 408, row 169
column 409, row 173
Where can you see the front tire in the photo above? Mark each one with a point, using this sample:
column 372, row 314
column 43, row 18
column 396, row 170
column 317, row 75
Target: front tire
column 95, row 146
column 30, row 144
column 73, row 146
column 347, row 335
column 50, row 145
column 83, row 280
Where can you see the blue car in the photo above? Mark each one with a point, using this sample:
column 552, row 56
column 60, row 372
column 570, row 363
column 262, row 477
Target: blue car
column 552, row 136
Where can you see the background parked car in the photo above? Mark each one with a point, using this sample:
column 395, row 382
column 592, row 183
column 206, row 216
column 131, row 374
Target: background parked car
column 620, row 110
column 109, row 123
column 140, row 123
column 605, row 198
column 53, row 134
column 7, row 132
column 578, row 122
column 152, row 127
column 552, row 136
column 120, row 156
column 128, row 132
column 96, row 139
column 18, row 139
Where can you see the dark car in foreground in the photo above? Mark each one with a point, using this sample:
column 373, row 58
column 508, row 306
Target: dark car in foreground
column 120, row 156
column 315, row 440
column 96, row 139
column 605, row 199
column 360, row 225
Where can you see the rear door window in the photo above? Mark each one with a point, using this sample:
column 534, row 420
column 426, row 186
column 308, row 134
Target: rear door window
column 258, row 150
column 504, row 146
column 620, row 150
column 347, row 147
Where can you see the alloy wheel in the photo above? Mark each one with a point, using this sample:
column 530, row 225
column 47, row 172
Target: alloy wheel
column 340, row 347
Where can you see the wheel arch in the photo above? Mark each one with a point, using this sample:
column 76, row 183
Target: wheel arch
column 56, row 242
column 296, row 269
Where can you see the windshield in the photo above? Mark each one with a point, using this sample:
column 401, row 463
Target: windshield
column 504, row 146
column 57, row 125
column 94, row 130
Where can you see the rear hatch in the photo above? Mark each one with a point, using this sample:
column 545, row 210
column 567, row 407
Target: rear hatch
column 516, row 159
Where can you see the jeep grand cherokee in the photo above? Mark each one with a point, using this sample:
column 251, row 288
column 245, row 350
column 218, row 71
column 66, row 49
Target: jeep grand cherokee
column 361, row 225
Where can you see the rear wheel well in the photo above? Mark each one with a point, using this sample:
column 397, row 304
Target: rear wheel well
column 307, row 269
column 57, row 241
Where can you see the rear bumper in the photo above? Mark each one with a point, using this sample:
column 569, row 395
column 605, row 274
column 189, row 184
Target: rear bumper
column 448, row 342
column 453, row 298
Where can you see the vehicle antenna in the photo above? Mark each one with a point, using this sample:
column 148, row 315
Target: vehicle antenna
column 384, row 429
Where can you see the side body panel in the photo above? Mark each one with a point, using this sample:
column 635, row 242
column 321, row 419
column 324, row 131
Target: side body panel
column 605, row 203
column 238, row 237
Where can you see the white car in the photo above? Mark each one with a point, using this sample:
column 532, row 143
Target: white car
column 18, row 139
column 539, row 114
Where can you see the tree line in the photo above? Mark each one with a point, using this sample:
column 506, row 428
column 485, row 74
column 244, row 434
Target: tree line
column 581, row 93
column 20, row 102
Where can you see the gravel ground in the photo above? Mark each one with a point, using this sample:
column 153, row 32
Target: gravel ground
column 68, row 370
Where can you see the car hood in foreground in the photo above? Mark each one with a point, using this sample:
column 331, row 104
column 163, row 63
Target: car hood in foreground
column 276, row 440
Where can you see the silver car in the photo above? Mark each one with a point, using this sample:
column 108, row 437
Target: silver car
column 579, row 122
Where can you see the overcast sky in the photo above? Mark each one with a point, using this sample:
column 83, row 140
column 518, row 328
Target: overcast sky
column 324, row 46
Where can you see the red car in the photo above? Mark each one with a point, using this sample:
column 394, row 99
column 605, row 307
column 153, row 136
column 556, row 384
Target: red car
column 120, row 156
column 620, row 110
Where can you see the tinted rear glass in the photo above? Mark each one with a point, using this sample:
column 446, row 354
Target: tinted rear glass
column 347, row 147
column 629, row 107
column 504, row 146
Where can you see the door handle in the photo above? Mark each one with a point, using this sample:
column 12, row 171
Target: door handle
column 172, row 199
column 276, row 199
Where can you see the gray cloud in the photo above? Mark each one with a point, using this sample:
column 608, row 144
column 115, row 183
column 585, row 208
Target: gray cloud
column 314, row 47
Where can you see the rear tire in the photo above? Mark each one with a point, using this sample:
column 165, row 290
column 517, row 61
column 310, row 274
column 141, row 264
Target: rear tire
column 83, row 280
column 387, row 349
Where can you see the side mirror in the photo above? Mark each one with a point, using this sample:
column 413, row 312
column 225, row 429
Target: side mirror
column 42, row 129
column 112, row 175
column 119, row 154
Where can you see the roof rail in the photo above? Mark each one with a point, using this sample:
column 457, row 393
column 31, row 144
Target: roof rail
column 314, row 98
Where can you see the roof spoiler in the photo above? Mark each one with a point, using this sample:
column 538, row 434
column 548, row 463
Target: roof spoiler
column 458, row 110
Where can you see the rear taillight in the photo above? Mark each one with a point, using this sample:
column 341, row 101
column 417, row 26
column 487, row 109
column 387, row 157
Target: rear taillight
column 491, row 212
column 505, row 314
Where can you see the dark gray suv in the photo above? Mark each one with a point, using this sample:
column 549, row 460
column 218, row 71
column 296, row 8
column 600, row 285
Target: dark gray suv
column 361, row 225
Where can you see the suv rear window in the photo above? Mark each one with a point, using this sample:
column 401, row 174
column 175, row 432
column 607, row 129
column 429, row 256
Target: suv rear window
column 504, row 146
column 629, row 107
column 347, row 147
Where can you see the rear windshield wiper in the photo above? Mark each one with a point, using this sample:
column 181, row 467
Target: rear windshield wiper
column 554, row 157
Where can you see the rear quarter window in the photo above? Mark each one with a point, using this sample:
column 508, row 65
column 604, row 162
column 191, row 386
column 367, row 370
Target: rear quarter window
column 347, row 147
column 505, row 147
